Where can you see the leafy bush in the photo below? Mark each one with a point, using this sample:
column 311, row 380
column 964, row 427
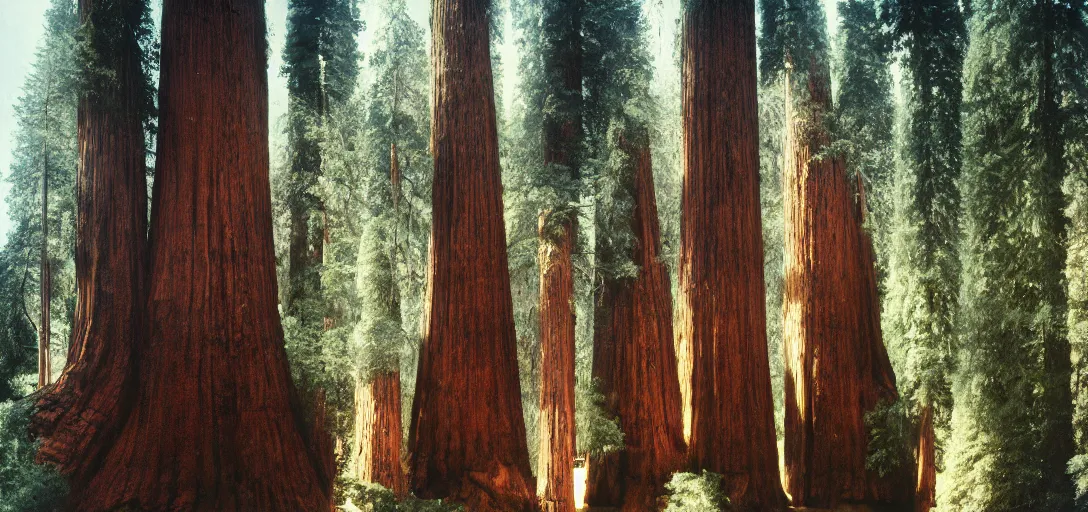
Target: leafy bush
column 24, row 485
column 597, row 431
column 891, row 437
column 689, row 492
column 375, row 498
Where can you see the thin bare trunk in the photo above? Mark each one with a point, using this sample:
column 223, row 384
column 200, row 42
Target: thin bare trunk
column 378, row 432
column 925, row 489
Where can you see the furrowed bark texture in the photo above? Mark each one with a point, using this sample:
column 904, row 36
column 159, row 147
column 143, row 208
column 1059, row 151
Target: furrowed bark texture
column 467, row 434
column 836, row 365
column 213, row 427
column 79, row 417
column 635, row 360
column 562, row 141
column 555, row 466
column 925, row 489
column 378, row 432
column 723, row 308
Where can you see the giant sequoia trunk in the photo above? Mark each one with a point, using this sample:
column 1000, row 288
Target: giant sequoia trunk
column 836, row 366
column 925, row 488
column 467, row 435
column 635, row 360
column 82, row 413
column 378, row 432
column 213, row 426
column 723, row 310
column 555, row 467
column 562, row 139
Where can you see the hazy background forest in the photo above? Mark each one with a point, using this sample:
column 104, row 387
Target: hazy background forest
column 963, row 134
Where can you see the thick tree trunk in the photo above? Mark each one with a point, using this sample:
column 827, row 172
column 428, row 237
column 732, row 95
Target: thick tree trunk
column 81, row 415
column 925, row 489
column 213, row 427
column 836, row 365
column 723, row 308
column 467, row 435
column 378, row 432
column 45, row 361
column 635, row 360
column 555, row 466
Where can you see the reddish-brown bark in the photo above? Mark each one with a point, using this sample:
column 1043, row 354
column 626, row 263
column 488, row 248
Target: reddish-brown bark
column 925, row 488
column 79, row 417
column 635, row 360
column 555, row 466
column 213, row 427
column 722, row 311
column 378, row 432
column 836, row 366
column 467, row 435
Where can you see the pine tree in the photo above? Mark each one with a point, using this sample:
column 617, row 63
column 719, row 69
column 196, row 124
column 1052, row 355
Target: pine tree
column 722, row 311
column 1012, row 424
column 467, row 434
column 79, row 416
column 42, row 177
column 321, row 65
column 922, row 284
column 634, row 358
column 214, row 411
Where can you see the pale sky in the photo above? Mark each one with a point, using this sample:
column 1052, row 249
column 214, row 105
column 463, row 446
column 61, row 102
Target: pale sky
column 21, row 28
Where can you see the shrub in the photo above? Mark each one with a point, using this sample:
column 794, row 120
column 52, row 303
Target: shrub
column 689, row 492
column 24, row 485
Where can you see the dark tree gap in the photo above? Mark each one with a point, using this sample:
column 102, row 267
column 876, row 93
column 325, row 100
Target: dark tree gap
column 722, row 312
column 634, row 356
column 213, row 426
column 467, row 434
column 80, row 416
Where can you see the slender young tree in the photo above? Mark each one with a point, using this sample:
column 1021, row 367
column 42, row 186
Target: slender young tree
column 722, row 311
column 837, row 369
column 634, row 359
column 921, row 306
column 79, row 417
column 467, row 434
column 212, row 427
column 1012, row 424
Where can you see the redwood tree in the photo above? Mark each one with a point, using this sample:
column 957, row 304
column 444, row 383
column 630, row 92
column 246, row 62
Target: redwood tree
column 836, row 365
column 467, row 434
column 722, row 304
column 213, row 426
column 558, row 96
column 82, row 413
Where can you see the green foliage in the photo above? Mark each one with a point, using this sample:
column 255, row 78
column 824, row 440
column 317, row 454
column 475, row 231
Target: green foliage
column 1012, row 428
column 24, row 485
column 375, row 498
column 772, row 119
column 689, row 492
column 597, row 431
column 892, row 437
column 44, row 142
column 379, row 337
column 795, row 32
column 113, row 32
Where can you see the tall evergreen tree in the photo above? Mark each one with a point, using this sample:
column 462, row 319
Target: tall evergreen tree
column 722, row 312
column 837, row 369
column 42, row 176
column 634, row 358
column 391, row 261
column 321, row 62
column 865, row 111
column 922, row 284
column 80, row 416
column 1012, row 424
